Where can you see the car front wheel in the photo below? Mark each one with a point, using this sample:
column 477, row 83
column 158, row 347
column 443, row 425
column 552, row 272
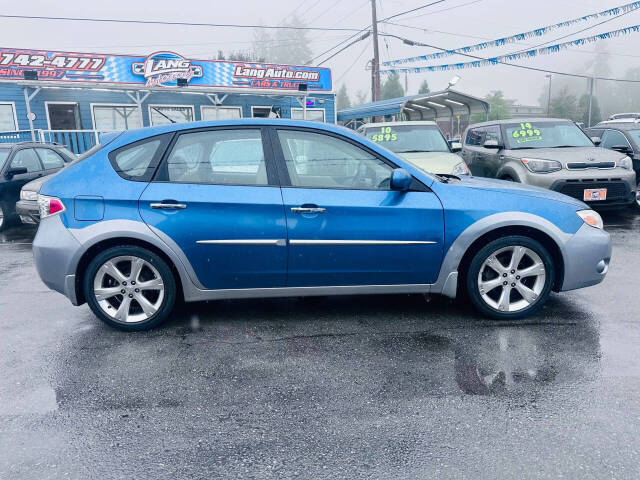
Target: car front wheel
column 130, row 288
column 510, row 278
column 637, row 204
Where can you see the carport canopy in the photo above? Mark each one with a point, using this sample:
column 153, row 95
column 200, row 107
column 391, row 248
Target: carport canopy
column 443, row 105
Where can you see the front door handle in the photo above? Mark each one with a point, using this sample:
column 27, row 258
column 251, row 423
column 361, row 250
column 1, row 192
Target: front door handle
column 168, row 206
column 308, row 210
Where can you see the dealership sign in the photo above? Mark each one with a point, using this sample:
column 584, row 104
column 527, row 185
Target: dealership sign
column 160, row 69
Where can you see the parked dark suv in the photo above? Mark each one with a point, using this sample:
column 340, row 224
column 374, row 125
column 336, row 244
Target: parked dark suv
column 622, row 136
column 20, row 163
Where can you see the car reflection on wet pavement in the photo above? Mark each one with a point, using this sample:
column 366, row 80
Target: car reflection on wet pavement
column 360, row 387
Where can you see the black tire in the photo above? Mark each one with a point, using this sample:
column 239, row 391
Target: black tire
column 168, row 280
column 471, row 280
column 7, row 218
column 636, row 204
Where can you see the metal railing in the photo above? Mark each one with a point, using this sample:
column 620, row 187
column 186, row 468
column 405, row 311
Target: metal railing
column 78, row 141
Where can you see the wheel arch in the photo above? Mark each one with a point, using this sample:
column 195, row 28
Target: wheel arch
column 526, row 231
column 469, row 241
column 102, row 245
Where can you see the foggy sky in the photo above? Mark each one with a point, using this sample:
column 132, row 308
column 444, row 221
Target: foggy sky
column 487, row 19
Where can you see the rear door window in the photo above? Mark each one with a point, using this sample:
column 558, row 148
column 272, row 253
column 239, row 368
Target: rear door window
column 139, row 160
column 475, row 137
column 218, row 157
column 50, row 159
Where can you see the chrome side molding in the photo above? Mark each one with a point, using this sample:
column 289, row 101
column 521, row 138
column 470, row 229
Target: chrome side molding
column 360, row 242
column 280, row 242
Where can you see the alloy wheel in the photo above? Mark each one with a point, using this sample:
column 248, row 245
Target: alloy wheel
column 129, row 289
column 638, row 195
column 1, row 217
column 511, row 278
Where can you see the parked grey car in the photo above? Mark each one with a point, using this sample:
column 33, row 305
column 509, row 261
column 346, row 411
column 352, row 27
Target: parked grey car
column 550, row 153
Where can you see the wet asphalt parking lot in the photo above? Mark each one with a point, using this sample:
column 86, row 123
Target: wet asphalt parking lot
column 360, row 387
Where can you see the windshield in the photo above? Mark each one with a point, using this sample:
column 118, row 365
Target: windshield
column 544, row 135
column 408, row 138
column 4, row 153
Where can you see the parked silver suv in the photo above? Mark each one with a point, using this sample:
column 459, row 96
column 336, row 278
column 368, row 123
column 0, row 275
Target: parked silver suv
column 550, row 153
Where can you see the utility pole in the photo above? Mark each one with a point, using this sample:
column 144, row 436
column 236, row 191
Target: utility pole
column 591, row 82
column 375, row 64
column 549, row 97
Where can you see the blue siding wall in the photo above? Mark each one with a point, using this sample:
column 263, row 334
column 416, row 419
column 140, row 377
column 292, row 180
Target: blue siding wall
column 85, row 97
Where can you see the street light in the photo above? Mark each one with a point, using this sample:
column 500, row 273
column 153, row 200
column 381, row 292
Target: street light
column 453, row 81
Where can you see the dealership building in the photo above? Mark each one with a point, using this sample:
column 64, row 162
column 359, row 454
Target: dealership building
column 72, row 98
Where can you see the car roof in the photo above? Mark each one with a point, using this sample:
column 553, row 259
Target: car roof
column 130, row 136
column 619, row 125
column 30, row 144
column 519, row 120
column 396, row 123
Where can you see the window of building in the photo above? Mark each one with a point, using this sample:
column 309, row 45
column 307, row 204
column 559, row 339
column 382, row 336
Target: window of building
column 50, row 159
column 209, row 112
column 323, row 161
column 63, row 116
column 219, row 157
column 313, row 114
column 166, row 114
column 8, row 117
column 107, row 118
column 261, row 112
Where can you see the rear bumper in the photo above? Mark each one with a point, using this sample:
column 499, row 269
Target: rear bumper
column 54, row 251
column 28, row 211
column 586, row 257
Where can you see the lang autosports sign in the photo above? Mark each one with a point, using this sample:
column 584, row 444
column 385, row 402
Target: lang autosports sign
column 160, row 69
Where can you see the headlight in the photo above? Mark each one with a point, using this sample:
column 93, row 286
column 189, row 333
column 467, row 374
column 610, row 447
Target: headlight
column 625, row 162
column 460, row 169
column 591, row 218
column 538, row 165
column 29, row 195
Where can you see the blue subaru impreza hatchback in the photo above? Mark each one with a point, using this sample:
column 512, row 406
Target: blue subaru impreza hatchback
column 270, row 208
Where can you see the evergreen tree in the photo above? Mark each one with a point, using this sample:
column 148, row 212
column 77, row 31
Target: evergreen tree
column 391, row 87
column 342, row 98
column 424, row 87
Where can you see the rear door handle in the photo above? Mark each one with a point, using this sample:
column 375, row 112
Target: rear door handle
column 308, row 210
column 168, row 206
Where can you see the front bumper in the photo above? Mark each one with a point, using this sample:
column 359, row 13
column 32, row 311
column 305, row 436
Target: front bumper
column 620, row 192
column 28, row 211
column 586, row 258
column 54, row 252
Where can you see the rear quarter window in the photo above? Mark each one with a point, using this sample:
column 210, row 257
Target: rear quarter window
column 138, row 161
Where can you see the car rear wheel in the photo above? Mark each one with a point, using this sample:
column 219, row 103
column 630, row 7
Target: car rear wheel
column 638, row 196
column 130, row 288
column 6, row 219
column 510, row 278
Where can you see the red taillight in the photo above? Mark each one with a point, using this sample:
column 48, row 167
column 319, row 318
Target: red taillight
column 55, row 206
column 50, row 206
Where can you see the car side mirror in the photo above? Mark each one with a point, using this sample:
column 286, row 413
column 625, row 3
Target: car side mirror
column 596, row 141
column 622, row 149
column 12, row 172
column 456, row 147
column 492, row 144
column 401, row 180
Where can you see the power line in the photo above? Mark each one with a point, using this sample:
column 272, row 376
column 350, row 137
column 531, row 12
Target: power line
column 444, row 9
column 367, row 27
column 420, row 44
column 366, row 35
column 166, row 22
column 352, row 65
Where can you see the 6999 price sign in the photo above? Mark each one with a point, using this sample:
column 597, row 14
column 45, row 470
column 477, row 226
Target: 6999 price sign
column 13, row 63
